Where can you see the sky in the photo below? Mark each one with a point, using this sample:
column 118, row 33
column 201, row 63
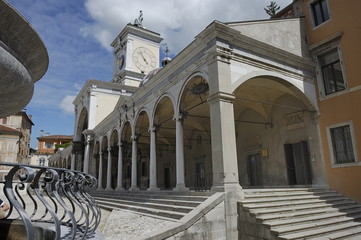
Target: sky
column 78, row 33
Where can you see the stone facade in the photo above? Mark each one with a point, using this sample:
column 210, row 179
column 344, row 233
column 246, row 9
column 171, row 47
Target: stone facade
column 15, row 131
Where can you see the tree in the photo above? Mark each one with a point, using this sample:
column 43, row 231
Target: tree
column 272, row 8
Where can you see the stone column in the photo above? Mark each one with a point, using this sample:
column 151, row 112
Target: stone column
column 134, row 163
column 100, row 175
column 87, row 153
column 180, row 153
column 153, row 160
column 224, row 154
column 224, row 158
column 120, row 167
column 109, row 170
column 224, row 150
column 72, row 162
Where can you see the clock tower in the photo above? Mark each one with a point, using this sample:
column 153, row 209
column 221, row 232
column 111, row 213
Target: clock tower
column 136, row 53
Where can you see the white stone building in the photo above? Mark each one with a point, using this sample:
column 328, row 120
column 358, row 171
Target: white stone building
column 236, row 108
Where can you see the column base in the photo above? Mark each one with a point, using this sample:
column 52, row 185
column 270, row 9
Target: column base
column 181, row 188
column 135, row 188
column 153, row 188
column 119, row 189
column 100, row 188
column 109, row 189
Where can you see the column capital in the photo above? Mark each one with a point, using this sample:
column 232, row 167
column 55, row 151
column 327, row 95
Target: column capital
column 135, row 137
column 221, row 96
column 153, row 128
column 109, row 148
column 180, row 116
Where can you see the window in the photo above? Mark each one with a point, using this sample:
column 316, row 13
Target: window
column 4, row 120
column 320, row 12
column 331, row 70
column 342, row 146
column 10, row 147
column 49, row 145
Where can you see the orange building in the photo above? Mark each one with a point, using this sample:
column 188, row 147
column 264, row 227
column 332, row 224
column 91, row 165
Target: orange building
column 333, row 37
column 47, row 144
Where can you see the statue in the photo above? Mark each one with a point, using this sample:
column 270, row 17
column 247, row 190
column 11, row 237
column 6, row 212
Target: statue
column 139, row 21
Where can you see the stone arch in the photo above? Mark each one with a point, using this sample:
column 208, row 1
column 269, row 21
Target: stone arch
column 114, row 145
column 126, row 139
column 165, row 141
column 82, row 124
column 270, row 113
column 193, row 105
column 96, row 156
column 142, row 124
column 104, row 152
column 159, row 101
column 303, row 89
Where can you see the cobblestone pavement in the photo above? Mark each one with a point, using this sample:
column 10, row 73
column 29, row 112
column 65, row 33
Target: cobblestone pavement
column 127, row 225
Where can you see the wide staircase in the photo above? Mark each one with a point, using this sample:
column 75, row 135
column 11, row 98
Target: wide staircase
column 298, row 213
column 162, row 204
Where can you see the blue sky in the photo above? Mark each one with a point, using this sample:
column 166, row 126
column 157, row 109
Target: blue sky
column 78, row 33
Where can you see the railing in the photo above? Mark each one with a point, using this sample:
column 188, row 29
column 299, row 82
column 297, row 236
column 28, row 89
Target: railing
column 51, row 198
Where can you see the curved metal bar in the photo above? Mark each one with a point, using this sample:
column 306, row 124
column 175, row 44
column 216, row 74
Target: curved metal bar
column 34, row 202
column 54, row 177
column 51, row 198
column 67, row 210
column 19, row 195
column 45, row 210
column 80, row 186
column 68, row 191
column 94, row 222
column 26, row 176
column 58, row 184
column 83, row 227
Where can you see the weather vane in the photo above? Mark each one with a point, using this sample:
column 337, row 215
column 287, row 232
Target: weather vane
column 139, row 21
column 166, row 50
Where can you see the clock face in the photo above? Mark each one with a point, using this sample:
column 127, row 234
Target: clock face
column 144, row 59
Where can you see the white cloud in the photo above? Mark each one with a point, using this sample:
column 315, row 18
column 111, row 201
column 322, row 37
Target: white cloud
column 66, row 105
column 178, row 21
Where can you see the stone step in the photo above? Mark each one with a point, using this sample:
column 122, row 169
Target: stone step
column 288, row 194
column 160, row 201
column 174, row 208
column 298, row 207
column 144, row 195
column 295, row 221
column 304, row 226
column 254, row 191
column 349, row 234
column 318, row 232
column 268, row 205
column 305, row 213
column 148, row 211
column 159, row 192
column 288, row 199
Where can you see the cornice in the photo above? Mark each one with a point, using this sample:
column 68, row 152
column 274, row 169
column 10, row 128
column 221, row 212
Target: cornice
column 101, row 84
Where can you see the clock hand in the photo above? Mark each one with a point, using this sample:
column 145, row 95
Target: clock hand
column 145, row 60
